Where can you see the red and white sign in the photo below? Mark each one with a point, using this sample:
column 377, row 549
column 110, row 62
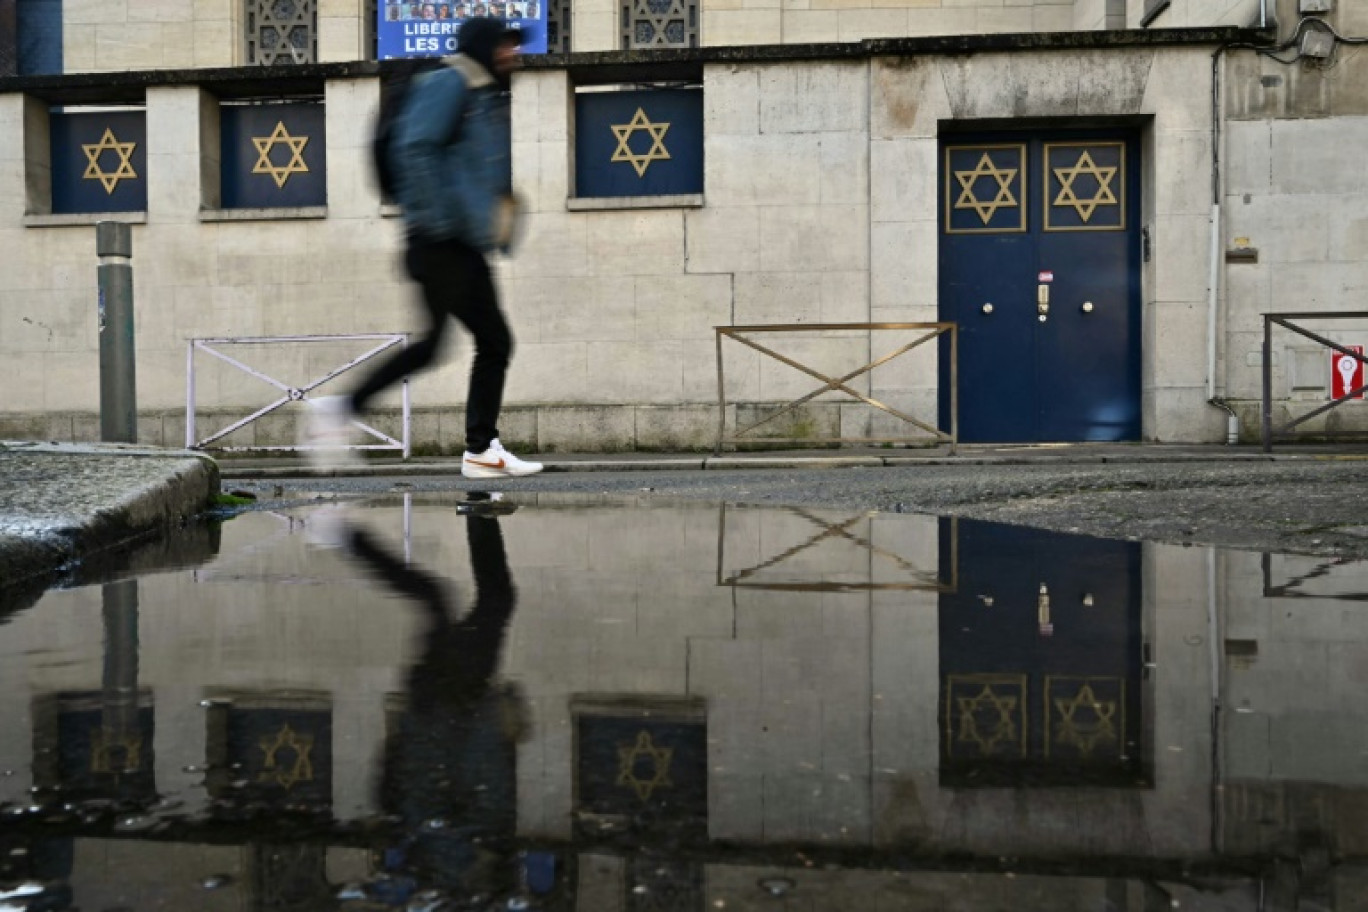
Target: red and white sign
column 1346, row 373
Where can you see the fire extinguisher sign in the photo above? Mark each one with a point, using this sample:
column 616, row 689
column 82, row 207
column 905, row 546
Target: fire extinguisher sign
column 1346, row 373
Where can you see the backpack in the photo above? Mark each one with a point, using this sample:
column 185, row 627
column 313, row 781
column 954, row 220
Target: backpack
column 392, row 101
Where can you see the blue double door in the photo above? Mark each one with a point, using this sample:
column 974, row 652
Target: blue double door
column 1040, row 259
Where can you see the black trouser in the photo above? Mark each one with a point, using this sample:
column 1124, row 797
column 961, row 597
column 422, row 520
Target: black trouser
column 456, row 283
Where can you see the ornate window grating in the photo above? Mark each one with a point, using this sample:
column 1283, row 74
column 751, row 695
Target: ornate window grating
column 282, row 31
column 659, row 23
column 558, row 16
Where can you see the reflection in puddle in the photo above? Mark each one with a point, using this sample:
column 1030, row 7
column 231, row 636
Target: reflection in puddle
column 617, row 705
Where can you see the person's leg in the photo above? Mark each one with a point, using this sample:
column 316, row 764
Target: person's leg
column 430, row 265
column 477, row 308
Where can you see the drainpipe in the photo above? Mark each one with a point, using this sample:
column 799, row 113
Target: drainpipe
column 1214, row 253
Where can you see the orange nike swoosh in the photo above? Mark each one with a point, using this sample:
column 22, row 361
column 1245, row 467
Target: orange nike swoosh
column 497, row 464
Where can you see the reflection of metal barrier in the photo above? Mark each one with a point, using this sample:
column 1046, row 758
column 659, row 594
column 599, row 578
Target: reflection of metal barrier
column 1301, row 586
column 913, row 577
column 1285, row 321
column 838, row 384
column 292, row 394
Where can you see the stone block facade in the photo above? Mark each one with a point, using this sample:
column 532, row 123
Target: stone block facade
column 819, row 206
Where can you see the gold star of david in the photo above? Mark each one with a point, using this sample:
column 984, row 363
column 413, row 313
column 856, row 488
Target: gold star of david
column 302, row 745
column 1003, row 731
column 627, row 760
column 1082, row 733
column 264, row 145
column 1103, row 196
column 968, row 199
column 108, row 143
column 657, row 152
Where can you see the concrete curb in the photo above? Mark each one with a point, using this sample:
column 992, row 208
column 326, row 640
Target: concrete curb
column 248, row 472
column 63, row 503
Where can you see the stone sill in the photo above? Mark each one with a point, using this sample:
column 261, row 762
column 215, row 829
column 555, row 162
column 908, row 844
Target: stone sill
column 67, row 219
column 391, row 210
column 263, row 215
column 608, row 203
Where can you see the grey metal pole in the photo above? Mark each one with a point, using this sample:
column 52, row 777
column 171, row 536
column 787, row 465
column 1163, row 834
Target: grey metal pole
column 118, row 365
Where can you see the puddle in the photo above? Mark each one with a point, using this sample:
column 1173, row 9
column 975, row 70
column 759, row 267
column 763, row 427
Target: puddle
column 425, row 702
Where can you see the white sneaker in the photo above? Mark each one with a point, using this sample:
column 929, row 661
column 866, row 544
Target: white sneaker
column 327, row 431
column 496, row 462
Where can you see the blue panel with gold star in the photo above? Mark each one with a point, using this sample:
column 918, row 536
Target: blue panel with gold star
column 274, row 156
column 985, row 189
column 1085, row 186
column 643, row 769
column 99, row 162
column 640, row 143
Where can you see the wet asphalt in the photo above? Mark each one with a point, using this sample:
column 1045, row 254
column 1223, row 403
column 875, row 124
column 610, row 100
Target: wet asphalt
column 1302, row 505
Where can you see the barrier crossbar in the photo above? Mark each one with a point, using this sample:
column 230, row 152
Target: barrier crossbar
column 838, row 384
column 292, row 393
column 1285, row 320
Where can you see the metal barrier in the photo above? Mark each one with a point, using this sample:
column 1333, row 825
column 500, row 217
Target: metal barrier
column 824, row 527
column 838, row 384
column 292, row 393
column 1285, row 321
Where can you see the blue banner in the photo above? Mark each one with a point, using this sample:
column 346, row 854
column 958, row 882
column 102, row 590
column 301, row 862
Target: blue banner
column 99, row 162
column 429, row 29
column 639, row 143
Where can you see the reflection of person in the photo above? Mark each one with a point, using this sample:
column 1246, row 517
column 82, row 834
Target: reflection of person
column 450, row 764
column 452, row 154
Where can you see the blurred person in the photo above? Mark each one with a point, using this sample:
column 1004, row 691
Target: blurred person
column 452, row 156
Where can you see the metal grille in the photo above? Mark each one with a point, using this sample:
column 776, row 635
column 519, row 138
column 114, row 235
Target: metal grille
column 659, row 23
column 558, row 18
column 282, row 31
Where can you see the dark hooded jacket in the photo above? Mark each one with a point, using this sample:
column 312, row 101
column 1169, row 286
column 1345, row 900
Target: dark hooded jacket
column 453, row 146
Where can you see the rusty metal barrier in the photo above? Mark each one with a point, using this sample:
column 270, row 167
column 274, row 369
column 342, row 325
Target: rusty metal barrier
column 1285, row 321
column 838, row 384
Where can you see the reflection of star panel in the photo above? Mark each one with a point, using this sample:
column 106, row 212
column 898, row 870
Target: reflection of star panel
column 101, row 750
column 985, row 189
column 985, row 716
column 1085, row 186
column 1085, row 718
column 641, row 766
column 278, row 754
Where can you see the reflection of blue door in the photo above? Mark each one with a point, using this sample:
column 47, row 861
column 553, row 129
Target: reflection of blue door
column 1040, row 267
column 1040, row 659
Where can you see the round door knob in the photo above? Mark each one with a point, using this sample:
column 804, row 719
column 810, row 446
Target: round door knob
column 1043, row 318
column 1087, row 307
column 987, row 308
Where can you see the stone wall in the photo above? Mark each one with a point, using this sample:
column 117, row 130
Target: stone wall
column 819, row 207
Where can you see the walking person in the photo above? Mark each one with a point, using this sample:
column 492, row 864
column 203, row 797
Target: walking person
column 452, row 160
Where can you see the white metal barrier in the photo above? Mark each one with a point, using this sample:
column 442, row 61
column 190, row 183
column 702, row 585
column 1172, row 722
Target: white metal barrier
column 291, row 393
